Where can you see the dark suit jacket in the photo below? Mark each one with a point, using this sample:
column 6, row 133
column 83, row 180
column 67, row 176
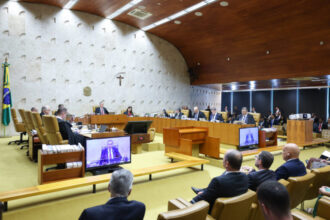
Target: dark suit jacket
column 316, row 127
column 200, row 115
column 226, row 185
column 177, row 116
column 98, row 110
column 126, row 113
column 291, row 168
column 118, row 208
column 218, row 117
column 67, row 134
column 258, row 177
column 248, row 120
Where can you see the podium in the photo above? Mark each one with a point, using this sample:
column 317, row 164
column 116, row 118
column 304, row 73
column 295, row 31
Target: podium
column 191, row 141
column 299, row 131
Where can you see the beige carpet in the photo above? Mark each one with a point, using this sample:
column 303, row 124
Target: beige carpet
column 17, row 171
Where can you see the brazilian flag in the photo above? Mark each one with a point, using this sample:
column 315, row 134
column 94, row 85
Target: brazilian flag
column 6, row 102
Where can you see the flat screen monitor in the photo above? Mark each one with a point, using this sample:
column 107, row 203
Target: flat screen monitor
column 107, row 152
column 248, row 136
column 137, row 127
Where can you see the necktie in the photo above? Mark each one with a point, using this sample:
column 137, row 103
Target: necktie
column 320, row 127
column 102, row 112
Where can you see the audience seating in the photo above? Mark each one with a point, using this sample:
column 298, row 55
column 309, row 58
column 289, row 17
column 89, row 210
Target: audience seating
column 298, row 187
column 224, row 115
column 196, row 211
column 322, row 178
column 37, row 122
column 33, row 139
column 22, row 113
column 19, row 127
column 206, row 113
column 322, row 213
column 52, row 130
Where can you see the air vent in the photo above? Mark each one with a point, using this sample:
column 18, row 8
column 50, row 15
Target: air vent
column 140, row 14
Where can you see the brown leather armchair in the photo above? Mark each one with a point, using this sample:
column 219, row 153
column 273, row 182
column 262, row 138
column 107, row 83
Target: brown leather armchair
column 298, row 187
column 19, row 127
column 323, row 212
column 322, row 178
column 52, row 130
column 22, row 114
column 37, row 122
column 34, row 141
column 197, row 211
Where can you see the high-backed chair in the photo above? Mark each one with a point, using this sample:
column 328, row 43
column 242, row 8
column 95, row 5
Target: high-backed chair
column 322, row 178
column 207, row 114
column 197, row 211
column 224, row 115
column 34, row 141
column 19, row 127
column 52, row 130
column 256, row 117
column 322, row 213
column 185, row 112
column 22, row 114
column 94, row 108
column 37, row 122
column 298, row 187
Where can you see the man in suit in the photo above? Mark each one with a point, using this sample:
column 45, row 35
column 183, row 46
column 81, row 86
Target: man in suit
column 110, row 154
column 319, row 126
column 263, row 161
column 101, row 110
column 215, row 116
column 118, row 207
column 274, row 201
column 198, row 114
column 34, row 109
column 45, row 110
column 245, row 117
column 293, row 166
column 263, row 123
column 178, row 114
column 66, row 131
column 231, row 183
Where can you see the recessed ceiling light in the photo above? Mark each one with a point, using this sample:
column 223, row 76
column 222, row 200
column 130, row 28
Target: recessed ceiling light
column 197, row 13
column 159, row 3
column 177, row 22
column 224, row 3
column 267, row 52
column 321, row 42
column 228, row 58
column 198, row 63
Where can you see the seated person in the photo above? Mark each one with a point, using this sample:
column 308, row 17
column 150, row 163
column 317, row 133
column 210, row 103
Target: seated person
column 293, row 166
column 263, row 123
column 263, row 162
column 34, row 109
column 129, row 112
column 274, row 201
column 118, row 207
column 245, row 117
column 198, row 114
column 45, row 110
column 323, row 161
column 165, row 114
column 178, row 114
column 215, row 116
column 231, row 183
column 65, row 129
column 271, row 120
column 319, row 126
column 101, row 110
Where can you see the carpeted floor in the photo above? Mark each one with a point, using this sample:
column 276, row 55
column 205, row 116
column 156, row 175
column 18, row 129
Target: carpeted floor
column 17, row 171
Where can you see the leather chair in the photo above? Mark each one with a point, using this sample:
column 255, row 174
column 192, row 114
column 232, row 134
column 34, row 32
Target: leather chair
column 197, row 211
column 224, row 115
column 256, row 117
column 298, row 187
column 19, row 127
column 185, row 112
column 34, row 141
column 37, row 122
column 22, row 114
column 207, row 114
column 322, row 213
column 94, row 108
column 52, row 130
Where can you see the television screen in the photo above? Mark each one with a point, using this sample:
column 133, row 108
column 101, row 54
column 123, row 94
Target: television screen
column 107, row 152
column 137, row 127
column 248, row 136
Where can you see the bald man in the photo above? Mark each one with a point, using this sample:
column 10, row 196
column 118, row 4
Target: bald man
column 293, row 166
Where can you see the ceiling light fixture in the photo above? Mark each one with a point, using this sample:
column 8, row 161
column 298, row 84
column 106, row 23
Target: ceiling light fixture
column 228, row 58
column 267, row 52
column 70, row 4
column 224, row 3
column 124, row 8
column 181, row 13
column 177, row 22
column 321, row 43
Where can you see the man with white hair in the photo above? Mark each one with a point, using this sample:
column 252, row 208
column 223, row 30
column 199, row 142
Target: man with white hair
column 245, row 117
column 118, row 207
column 198, row 114
column 101, row 110
column 45, row 110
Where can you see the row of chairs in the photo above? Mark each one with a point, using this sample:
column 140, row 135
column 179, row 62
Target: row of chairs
column 246, row 206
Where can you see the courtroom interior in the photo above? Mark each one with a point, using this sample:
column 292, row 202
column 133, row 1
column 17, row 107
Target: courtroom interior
column 165, row 109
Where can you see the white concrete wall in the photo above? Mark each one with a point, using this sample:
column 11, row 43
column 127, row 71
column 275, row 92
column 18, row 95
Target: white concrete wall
column 203, row 97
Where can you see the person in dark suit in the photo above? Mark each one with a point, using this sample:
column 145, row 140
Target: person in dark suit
column 178, row 114
column 118, row 207
column 45, row 110
column 215, row 116
column 293, row 166
column 198, row 114
column 263, row 123
column 231, row 183
column 101, row 110
column 185, row 107
column 129, row 112
column 245, row 117
column 263, row 161
column 274, row 201
column 319, row 126
column 110, row 154
column 165, row 114
column 34, row 109
column 65, row 129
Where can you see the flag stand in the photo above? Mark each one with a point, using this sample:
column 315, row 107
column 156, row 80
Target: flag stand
column 3, row 126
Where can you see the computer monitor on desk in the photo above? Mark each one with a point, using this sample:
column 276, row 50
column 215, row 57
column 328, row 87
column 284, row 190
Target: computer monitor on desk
column 137, row 127
column 248, row 137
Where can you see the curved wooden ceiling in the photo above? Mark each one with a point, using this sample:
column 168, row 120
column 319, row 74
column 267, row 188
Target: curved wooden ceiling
column 247, row 40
